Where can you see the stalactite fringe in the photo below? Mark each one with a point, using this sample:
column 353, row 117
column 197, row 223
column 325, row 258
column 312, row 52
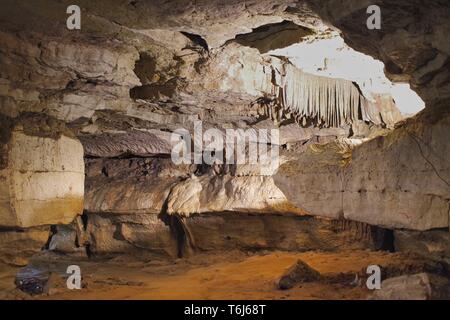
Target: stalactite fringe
column 322, row 101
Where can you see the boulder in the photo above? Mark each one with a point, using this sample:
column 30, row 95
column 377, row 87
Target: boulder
column 42, row 178
column 64, row 240
column 422, row 286
column 230, row 194
column 129, row 234
column 314, row 180
column 402, row 180
column 129, row 186
column 397, row 180
column 300, row 272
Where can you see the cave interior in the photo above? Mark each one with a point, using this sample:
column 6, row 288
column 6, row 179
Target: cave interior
column 98, row 100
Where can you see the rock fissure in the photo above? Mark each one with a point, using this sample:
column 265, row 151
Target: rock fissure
column 428, row 160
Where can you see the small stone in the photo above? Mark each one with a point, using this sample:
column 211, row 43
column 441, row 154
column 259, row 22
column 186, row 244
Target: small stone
column 422, row 286
column 300, row 272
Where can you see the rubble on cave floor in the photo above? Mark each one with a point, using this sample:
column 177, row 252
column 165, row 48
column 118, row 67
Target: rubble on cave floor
column 223, row 275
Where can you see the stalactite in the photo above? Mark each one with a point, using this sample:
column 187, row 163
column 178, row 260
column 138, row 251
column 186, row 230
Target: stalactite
column 329, row 102
column 326, row 102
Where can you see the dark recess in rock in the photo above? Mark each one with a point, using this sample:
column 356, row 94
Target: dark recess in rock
column 273, row 36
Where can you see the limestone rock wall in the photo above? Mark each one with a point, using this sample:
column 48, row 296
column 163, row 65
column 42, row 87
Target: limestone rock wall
column 154, row 186
column 131, row 186
column 400, row 180
column 228, row 193
column 63, row 79
column 110, row 234
column 434, row 243
column 140, row 70
column 43, row 182
column 257, row 232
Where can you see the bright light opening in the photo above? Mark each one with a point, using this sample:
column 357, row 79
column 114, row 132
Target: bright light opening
column 331, row 57
column 406, row 99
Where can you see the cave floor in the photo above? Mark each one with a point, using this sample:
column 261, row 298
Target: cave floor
column 222, row 275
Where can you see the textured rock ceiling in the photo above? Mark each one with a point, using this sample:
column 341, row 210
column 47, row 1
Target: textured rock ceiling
column 216, row 21
column 412, row 41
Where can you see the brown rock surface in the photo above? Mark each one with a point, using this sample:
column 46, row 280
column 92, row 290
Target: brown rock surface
column 238, row 276
column 422, row 286
column 110, row 234
column 434, row 244
column 43, row 182
column 400, row 180
column 138, row 70
column 16, row 247
column 226, row 231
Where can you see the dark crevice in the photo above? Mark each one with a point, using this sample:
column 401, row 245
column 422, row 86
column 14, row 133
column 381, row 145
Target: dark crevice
column 196, row 39
column 155, row 85
column 53, row 231
column 179, row 230
column 89, row 252
column 273, row 36
column 11, row 229
column 84, row 220
column 129, row 155
column 385, row 238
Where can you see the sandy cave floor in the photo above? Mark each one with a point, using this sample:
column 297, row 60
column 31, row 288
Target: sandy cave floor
column 225, row 275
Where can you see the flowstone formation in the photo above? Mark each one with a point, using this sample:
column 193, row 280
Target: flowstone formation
column 321, row 101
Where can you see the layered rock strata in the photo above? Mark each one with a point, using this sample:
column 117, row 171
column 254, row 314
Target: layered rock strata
column 400, row 180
